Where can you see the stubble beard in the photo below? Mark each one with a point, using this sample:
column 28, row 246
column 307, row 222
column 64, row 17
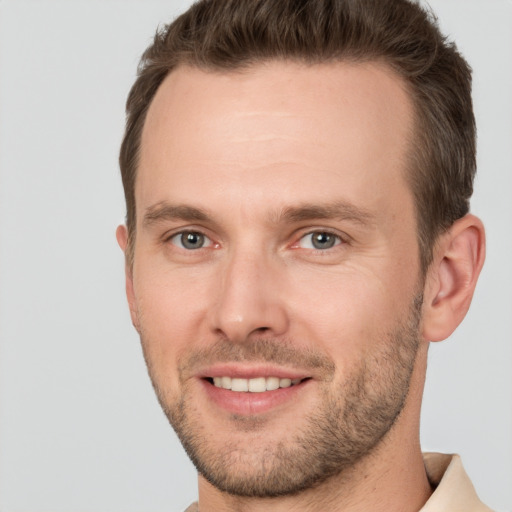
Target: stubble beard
column 348, row 425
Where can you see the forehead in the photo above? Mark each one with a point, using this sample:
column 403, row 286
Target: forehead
column 343, row 126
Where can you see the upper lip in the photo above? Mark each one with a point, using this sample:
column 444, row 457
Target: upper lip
column 244, row 371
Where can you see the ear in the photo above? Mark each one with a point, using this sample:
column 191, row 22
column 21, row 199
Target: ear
column 451, row 279
column 122, row 240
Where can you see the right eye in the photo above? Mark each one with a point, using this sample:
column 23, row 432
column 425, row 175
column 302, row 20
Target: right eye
column 190, row 240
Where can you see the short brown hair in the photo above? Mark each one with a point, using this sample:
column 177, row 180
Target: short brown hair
column 232, row 34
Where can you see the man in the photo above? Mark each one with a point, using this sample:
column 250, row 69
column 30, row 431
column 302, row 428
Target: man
column 297, row 178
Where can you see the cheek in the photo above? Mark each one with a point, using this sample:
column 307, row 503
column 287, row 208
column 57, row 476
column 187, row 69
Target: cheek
column 170, row 309
column 348, row 314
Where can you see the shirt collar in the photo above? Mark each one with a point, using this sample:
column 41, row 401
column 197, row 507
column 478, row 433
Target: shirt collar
column 453, row 488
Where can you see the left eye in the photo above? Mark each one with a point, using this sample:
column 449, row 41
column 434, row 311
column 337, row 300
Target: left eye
column 191, row 240
column 319, row 240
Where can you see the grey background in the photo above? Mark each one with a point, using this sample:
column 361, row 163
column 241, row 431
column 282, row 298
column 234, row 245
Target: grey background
column 80, row 428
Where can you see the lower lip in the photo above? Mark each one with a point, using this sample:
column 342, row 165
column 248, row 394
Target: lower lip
column 247, row 404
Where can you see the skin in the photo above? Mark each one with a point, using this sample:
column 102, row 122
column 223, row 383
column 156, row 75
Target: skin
column 244, row 148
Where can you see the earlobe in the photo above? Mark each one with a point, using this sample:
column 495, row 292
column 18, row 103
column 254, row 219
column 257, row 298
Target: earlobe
column 122, row 240
column 452, row 277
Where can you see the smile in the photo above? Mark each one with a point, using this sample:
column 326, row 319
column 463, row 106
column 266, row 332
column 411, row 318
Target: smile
column 254, row 385
column 246, row 391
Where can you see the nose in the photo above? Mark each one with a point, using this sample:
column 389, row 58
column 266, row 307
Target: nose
column 249, row 298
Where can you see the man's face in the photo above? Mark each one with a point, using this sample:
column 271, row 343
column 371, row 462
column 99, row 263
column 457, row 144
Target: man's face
column 276, row 255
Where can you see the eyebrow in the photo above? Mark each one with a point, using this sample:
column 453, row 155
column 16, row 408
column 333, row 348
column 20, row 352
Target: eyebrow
column 339, row 210
column 164, row 211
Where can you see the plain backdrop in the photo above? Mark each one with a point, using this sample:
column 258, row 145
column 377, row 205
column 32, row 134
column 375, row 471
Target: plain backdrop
column 80, row 429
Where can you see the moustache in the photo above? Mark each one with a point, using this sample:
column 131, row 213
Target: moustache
column 263, row 351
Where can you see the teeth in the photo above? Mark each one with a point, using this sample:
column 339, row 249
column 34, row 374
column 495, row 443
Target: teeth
column 239, row 385
column 257, row 385
column 272, row 383
column 285, row 383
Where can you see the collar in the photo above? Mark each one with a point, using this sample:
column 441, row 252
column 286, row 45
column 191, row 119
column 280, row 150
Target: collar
column 454, row 491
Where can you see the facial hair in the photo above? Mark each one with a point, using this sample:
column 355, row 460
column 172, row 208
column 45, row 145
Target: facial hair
column 348, row 424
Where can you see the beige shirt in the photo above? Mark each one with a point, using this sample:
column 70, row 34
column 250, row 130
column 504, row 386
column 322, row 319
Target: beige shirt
column 454, row 491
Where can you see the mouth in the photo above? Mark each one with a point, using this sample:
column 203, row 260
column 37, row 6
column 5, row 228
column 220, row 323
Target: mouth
column 253, row 385
column 244, row 391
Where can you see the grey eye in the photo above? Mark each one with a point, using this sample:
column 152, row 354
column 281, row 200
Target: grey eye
column 323, row 240
column 319, row 240
column 191, row 240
